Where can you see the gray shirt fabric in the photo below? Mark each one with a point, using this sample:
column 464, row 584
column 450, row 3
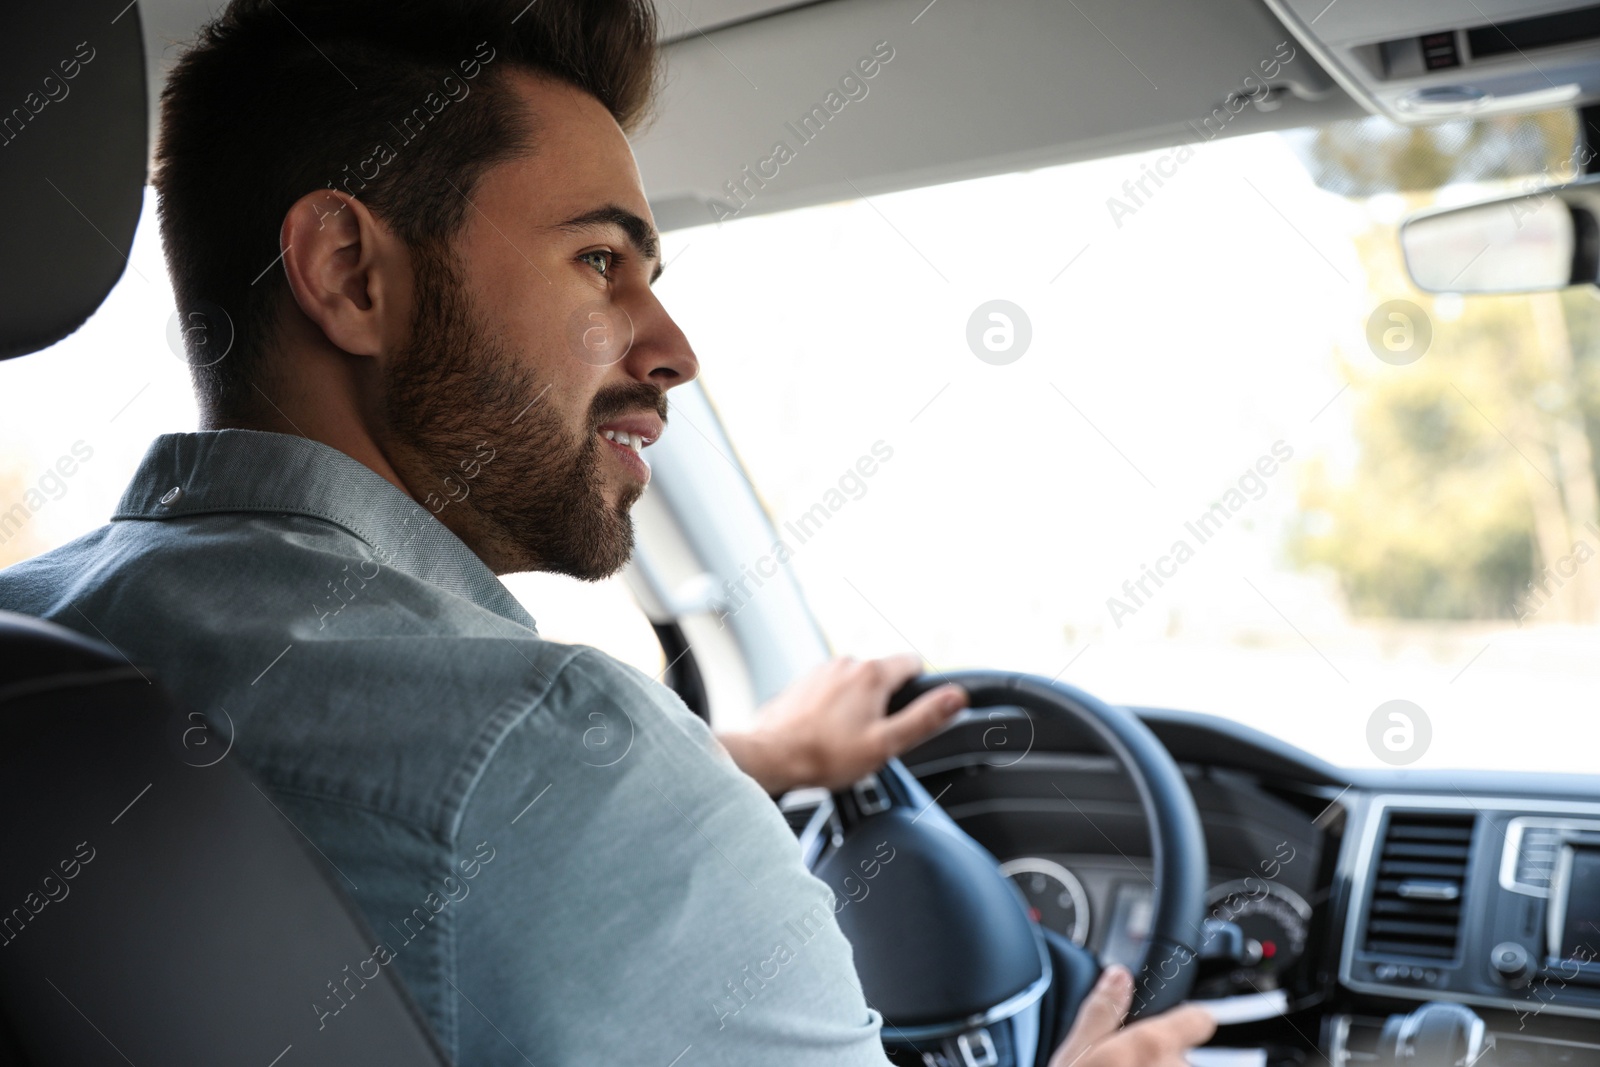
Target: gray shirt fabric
column 561, row 861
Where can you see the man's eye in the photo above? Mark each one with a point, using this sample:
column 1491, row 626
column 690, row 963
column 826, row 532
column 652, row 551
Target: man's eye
column 600, row 261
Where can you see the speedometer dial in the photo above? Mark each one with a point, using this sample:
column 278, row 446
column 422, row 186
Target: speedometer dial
column 1275, row 918
column 1055, row 896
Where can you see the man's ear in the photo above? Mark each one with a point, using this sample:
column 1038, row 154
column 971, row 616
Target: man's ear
column 349, row 274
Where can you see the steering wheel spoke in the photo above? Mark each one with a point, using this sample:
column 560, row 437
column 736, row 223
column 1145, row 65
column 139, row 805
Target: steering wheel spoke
column 943, row 944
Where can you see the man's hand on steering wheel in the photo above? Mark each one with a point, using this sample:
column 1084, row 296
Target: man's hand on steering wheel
column 832, row 728
column 1098, row 1038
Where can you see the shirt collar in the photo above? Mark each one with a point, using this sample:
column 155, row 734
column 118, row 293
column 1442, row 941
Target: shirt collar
column 233, row 471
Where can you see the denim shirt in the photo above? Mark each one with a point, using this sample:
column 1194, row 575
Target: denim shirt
column 561, row 861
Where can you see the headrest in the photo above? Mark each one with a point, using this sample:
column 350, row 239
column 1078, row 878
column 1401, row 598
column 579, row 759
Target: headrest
column 74, row 147
column 37, row 652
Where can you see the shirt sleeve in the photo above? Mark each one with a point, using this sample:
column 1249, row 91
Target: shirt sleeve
column 635, row 897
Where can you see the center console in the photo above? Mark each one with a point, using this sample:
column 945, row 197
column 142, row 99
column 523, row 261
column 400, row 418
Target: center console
column 1479, row 900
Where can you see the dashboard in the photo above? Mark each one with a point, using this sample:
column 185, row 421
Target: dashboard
column 1070, row 832
column 1275, row 920
column 1363, row 897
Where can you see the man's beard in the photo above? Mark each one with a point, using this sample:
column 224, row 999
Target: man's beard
column 485, row 438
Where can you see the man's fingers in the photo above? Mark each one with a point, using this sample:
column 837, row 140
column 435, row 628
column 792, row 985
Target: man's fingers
column 1106, row 1005
column 898, row 670
column 1100, row 1015
column 921, row 718
column 1160, row 1040
column 1183, row 1027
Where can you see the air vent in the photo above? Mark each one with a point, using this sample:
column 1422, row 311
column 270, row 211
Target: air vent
column 1536, row 858
column 1416, row 904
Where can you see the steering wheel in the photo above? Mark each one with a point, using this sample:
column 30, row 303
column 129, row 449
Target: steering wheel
column 943, row 944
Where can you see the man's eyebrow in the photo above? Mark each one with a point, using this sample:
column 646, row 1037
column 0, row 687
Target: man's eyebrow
column 640, row 233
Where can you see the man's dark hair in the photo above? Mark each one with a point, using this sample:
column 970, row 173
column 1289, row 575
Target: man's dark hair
column 404, row 105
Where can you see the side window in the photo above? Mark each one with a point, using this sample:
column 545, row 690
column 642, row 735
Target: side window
column 601, row 614
column 76, row 418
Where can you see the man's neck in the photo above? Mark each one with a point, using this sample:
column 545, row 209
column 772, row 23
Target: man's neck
column 314, row 391
column 341, row 430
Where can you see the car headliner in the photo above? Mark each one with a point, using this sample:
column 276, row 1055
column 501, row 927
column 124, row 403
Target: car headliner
column 974, row 88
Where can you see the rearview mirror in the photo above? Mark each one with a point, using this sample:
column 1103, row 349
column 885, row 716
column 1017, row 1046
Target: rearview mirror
column 1534, row 242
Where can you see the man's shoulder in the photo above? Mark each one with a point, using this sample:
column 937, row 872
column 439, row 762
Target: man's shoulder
column 29, row 587
column 235, row 571
column 171, row 555
column 342, row 677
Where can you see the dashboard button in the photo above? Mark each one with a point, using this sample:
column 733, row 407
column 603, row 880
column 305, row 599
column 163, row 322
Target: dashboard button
column 1510, row 962
column 870, row 796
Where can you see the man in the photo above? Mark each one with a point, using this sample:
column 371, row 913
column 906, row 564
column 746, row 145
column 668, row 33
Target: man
column 415, row 216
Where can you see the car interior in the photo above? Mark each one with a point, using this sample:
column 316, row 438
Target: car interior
column 1256, row 816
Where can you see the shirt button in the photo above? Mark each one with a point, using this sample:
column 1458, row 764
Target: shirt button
column 172, row 496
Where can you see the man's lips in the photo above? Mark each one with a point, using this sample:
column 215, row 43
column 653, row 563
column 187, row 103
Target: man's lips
column 629, row 436
column 646, row 426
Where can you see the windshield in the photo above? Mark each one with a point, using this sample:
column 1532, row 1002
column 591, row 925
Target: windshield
column 1175, row 427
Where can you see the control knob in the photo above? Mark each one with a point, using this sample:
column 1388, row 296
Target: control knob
column 1510, row 962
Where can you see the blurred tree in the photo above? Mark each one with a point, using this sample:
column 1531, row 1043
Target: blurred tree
column 1476, row 476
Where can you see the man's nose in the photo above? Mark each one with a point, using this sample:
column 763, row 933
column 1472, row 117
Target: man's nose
column 661, row 354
